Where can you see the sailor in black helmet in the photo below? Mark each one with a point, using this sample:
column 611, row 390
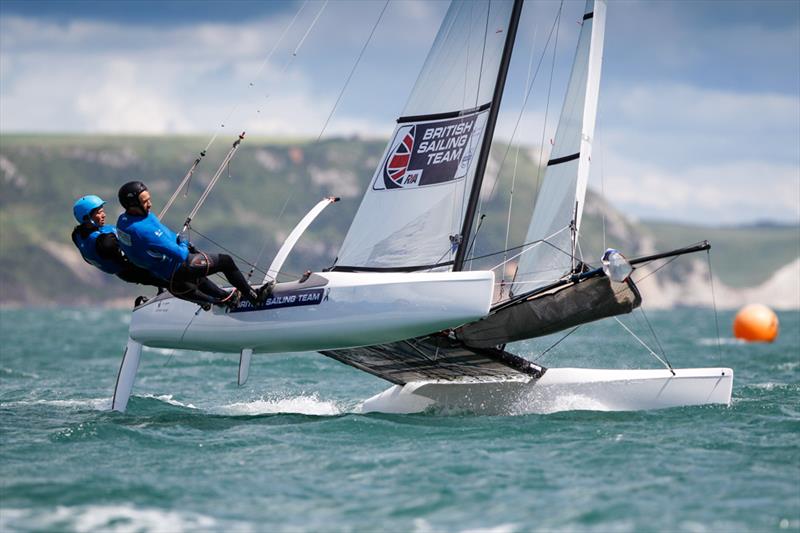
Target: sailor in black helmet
column 153, row 246
column 98, row 244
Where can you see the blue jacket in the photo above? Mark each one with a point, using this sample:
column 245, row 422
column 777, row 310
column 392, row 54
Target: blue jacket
column 151, row 245
column 88, row 248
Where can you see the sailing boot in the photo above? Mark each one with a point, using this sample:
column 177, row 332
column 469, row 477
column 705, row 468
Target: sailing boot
column 265, row 291
column 232, row 300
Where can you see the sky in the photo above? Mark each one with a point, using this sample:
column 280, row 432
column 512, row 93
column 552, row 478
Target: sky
column 699, row 113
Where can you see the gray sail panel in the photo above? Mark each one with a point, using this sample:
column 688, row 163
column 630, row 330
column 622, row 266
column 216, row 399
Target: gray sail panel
column 415, row 200
column 434, row 358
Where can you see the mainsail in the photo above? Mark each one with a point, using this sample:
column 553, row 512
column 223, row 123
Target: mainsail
column 553, row 230
column 412, row 213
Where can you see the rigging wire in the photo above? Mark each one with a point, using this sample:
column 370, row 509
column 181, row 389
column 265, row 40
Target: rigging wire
column 541, row 355
column 454, row 221
column 352, row 70
column 184, row 183
column 516, row 156
column 335, row 105
column 483, row 53
column 235, row 148
column 264, row 64
column 530, row 88
column 602, row 181
column 232, row 152
column 239, row 257
column 653, row 333
column 539, row 167
column 714, row 301
column 654, row 354
column 225, row 163
column 464, row 193
column 266, row 240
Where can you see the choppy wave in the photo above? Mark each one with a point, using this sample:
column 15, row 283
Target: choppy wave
column 117, row 518
column 724, row 341
column 96, row 404
column 304, row 405
column 167, row 398
column 10, row 372
column 557, row 403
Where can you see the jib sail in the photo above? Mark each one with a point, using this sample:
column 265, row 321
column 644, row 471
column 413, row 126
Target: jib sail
column 556, row 216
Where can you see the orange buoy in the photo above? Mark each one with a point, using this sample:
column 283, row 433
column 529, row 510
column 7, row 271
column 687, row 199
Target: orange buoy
column 755, row 323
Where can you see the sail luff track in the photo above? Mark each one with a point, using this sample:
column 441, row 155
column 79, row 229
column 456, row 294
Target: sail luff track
column 486, row 146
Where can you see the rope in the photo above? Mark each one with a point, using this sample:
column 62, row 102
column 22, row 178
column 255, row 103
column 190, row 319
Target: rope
column 603, row 184
column 266, row 239
column 184, row 183
column 474, row 237
column 516, row 156
column 239, row 257
column 547, row 105
column 653, row 333
column 352, row 70
column 714, row 302
column 654, row 354
column 213, row 182
column 541, row 355
column 333, row 109
column 527, row 95
column 656, row 270
column 532, row 244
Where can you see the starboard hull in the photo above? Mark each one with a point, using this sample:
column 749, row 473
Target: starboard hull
column 328, row 311
column 563, row 389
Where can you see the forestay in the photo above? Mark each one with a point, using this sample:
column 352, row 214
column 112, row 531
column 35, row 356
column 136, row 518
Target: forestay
column 557, row 214
column 416, row 198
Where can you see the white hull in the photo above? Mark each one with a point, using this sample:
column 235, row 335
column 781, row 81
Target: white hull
column 331, row 310
column 563, row 389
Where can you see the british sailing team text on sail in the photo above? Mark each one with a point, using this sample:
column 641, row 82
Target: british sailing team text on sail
column 445, row 142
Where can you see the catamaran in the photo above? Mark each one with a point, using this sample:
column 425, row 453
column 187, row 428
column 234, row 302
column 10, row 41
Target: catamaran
column 401, row 301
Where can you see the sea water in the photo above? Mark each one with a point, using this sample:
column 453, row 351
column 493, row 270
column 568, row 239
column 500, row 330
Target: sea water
column 290, row 451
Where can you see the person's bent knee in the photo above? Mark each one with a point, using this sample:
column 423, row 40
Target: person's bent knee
column 225, row 261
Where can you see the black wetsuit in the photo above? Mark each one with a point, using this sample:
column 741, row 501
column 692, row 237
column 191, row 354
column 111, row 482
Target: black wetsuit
column 199, row 265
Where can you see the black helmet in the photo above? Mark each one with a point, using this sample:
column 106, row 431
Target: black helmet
column 129, row 194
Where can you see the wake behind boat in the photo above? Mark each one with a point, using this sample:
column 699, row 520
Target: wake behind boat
column 401, row 301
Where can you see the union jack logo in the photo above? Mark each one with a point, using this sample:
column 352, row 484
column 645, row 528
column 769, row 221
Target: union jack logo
column 397, row 162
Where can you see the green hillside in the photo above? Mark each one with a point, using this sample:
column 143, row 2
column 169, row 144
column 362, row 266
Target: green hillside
column 742, row 256
column 41, row 176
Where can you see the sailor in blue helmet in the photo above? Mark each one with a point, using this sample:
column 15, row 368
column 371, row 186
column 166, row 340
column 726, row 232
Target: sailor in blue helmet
column 98, row 244
column 153, row 246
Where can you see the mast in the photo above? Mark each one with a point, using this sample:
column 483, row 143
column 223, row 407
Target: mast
column 483, row 157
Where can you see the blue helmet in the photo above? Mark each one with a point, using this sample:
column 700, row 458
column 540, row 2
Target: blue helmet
column 85, row 205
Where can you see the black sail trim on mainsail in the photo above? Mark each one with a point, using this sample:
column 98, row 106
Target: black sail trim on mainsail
column 443, row 116
column 588, row 15
column 565, row 159
column 491, row 120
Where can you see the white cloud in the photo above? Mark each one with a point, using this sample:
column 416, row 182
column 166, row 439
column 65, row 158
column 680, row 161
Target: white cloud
column 90, row 76
column 732, row 192
column 703, row 155
column 678, row 145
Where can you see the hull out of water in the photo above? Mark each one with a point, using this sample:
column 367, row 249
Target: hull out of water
column 328, row 311
column 563, row 389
